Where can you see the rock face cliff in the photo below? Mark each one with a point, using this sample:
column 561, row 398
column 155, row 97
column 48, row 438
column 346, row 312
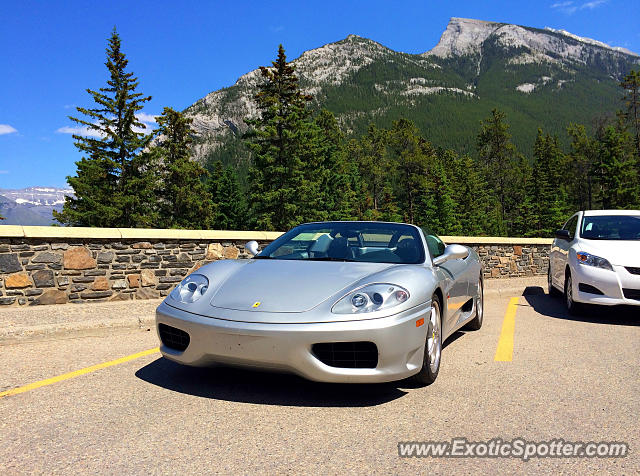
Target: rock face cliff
column 540, row 77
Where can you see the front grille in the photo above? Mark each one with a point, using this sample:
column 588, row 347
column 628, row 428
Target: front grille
column 173, row 338
column 633, row 270
column 587, row 288
column 632, row 294
column 348, row 355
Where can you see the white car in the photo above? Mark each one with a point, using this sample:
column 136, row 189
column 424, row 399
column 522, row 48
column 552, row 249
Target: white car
column 595, row 259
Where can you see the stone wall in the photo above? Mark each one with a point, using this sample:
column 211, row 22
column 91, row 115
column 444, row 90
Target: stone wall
column 48, row 265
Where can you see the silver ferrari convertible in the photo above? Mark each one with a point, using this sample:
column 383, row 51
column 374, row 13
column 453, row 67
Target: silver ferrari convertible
column 332, row 301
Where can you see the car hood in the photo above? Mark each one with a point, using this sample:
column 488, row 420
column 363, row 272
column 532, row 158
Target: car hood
column 620, row 253
column 288, row 285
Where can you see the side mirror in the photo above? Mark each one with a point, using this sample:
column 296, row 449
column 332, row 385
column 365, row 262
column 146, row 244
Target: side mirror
column 251, row 247
column 563, row 235
column 451, row 252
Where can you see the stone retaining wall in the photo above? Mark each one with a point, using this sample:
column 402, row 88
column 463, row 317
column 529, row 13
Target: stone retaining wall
column 80, row 265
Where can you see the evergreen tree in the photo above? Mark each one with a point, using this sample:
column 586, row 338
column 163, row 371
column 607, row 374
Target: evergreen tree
column 444, row 221
column 499, row 158
column 410, row 163
column 183, row 199
column 113, row 183
column 580, row 168
column 230, row 206
column 547, row 192
column 616, row 179
column 631, row 86
column 278, row 188
column 372, row 162
column 336, row 196
column 475, row 205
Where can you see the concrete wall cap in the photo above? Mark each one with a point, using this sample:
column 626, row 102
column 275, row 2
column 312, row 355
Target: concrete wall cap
column 493, row 240
column 11, row 231
column 16, row 231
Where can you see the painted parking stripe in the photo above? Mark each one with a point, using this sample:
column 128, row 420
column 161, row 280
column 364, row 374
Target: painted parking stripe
column 77, row 373
column 504, row 352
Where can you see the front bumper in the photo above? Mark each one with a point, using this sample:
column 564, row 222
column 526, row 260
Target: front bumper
column 611, row 283
column 287, row 347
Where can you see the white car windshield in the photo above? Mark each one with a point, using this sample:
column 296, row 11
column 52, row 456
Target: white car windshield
column 610, row 227
column 349, row 241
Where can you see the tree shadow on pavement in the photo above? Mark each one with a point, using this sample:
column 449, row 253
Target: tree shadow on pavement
column 248, row 386
column 554, row 307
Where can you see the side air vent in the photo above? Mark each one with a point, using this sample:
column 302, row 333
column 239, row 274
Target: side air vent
column 347, row 355
column 633, row 270
column 173, row 337
column 587, row 288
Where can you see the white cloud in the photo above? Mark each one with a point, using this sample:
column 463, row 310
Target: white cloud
column 561, row 4
column 7, row 129
column 570, row 7
column 80, row 131
column 146, row 118
column 148, row 121
column 593, row 4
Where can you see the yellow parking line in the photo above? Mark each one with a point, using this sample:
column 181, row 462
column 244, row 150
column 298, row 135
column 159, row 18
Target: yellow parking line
column 504, row 352
column 77, row 373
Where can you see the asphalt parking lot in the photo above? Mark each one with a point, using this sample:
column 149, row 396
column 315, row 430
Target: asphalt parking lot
column 573, row 378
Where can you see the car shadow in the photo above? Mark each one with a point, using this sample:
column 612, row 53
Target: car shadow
column 266, row 388
column 551, row 306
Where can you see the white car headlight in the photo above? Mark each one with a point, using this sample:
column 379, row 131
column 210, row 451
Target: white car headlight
column 191, row 288
column 592, row 260
column 370, row 298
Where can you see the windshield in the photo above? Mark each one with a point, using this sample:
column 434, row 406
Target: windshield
column 349, row 241
column 614, row 227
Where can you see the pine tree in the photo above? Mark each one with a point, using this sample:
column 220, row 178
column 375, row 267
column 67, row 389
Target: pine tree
column 498, row 158
column 230, row 206
column 616, row 179
column 581, row 162
column 410, row 163
column 111, row 178
column 475, row 204
column 372, row 158
column 631, row 86
column 547, row 191
column 278, row 186
column 183, row 199
column 336, row 195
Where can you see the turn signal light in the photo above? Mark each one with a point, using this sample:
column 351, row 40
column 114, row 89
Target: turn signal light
column 419, row 322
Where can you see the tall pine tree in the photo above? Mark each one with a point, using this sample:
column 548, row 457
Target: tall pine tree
column 112, row 184
column 183, row 199
column 498, row 158
column 230, row 206
column 631, row 86
column 278, row 186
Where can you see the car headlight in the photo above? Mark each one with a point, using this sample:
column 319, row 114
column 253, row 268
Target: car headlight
column 191, row 288
column 370, row 298
column 592, row 260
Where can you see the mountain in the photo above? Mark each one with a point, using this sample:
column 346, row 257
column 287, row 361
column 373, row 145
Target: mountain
column 32, row 205
column 539, row 77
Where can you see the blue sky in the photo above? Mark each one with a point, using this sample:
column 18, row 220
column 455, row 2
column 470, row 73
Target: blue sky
column 52, row 51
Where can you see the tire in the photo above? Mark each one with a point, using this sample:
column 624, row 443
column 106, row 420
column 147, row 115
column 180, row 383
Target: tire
column 573, row 307
column 432, row 353
column 553, row 291
column 476, row 323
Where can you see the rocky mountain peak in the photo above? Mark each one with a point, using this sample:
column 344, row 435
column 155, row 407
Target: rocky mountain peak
column 464, row 36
